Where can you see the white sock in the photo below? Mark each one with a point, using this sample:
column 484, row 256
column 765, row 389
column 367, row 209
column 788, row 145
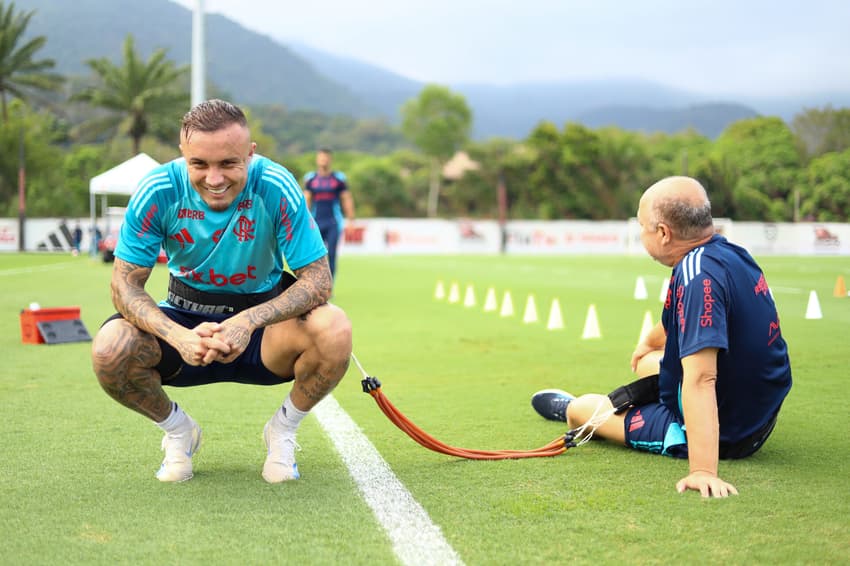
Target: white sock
column 177, row 420
column 288, row 417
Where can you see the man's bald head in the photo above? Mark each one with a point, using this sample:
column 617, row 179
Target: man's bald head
column 682, row 204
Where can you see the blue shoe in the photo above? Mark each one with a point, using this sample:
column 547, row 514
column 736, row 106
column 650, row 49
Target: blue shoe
column 552, row 404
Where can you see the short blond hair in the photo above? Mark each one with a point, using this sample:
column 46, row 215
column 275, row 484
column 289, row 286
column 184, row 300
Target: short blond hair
column 211, row 116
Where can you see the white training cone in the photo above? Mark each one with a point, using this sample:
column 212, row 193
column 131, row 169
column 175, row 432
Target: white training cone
column 646, row 327
column 454, row 293
column 530, row 314
column 640, row 289
column 813, row 309
column 490, row 300
column 507, row 305
column 665, row 285
column 469, row 297
column 440, row 291
column 556, row 321
column 591, row 324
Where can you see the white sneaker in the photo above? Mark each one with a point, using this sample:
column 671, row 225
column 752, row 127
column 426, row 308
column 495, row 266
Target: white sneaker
column 280, row 463
column 179, row 448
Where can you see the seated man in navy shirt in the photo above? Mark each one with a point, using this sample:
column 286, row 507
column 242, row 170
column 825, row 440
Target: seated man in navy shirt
column 715, row 369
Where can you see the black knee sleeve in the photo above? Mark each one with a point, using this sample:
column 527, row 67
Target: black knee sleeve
column 640, row 392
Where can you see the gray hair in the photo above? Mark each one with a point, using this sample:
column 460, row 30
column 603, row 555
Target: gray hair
column 211, row 116
column 688, row 221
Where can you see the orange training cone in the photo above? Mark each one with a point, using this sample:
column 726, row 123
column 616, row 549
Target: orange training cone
column 840, row 287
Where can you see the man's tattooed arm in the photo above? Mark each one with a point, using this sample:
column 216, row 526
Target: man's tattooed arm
column 312, row 289
column 137, row 306
column 132, row 301
column 139, row 309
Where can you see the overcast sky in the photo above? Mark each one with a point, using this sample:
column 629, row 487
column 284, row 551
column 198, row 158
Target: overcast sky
column 744, row 47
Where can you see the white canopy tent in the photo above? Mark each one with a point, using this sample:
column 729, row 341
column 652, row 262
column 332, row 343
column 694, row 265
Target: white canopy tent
column 122, row 179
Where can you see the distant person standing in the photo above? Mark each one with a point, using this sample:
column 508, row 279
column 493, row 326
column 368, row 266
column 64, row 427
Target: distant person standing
column 78, row 238
column 96, row 238
column 328, row 198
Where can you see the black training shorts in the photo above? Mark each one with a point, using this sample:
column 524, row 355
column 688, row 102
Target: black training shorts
column 247, row 368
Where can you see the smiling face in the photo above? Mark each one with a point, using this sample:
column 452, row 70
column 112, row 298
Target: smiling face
column 218, row 162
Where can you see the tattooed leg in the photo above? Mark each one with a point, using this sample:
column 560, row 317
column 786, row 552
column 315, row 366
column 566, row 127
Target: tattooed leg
column 315, row 349
column 123, row 358
column 310, row 389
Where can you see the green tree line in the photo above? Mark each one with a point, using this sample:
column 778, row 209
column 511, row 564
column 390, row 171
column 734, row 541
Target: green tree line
column 64, row 130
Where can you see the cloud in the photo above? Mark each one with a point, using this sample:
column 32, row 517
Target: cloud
column 725, row 46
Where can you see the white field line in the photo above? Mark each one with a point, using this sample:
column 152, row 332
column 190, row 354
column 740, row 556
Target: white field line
column 415, row 539
column 787, row 290
column 35, row 268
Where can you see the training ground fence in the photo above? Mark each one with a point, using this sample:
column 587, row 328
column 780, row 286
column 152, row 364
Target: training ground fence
column 380, row 236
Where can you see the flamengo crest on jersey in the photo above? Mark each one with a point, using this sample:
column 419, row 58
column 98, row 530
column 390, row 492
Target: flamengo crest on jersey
column 238, row 250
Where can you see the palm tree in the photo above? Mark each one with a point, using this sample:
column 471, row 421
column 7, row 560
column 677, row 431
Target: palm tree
column 19, row 72
column 136, row 93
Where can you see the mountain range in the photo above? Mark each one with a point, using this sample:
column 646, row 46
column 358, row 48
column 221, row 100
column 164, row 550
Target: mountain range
column 255, row 69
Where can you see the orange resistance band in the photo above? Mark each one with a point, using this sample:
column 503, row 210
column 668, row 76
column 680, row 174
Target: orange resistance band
column 373, row 387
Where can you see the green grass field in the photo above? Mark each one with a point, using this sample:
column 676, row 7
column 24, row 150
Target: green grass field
column 77, row 468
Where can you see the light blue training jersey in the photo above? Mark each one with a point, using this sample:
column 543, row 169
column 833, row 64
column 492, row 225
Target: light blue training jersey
column 243, row 249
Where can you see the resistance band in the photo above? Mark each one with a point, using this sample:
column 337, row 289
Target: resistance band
column 373, row 387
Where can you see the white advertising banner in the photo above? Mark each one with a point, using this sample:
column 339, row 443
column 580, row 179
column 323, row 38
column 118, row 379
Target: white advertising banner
column 8, row 235
column 804, row 238
column 420, row 236
column 464, row 236
column 567, row 237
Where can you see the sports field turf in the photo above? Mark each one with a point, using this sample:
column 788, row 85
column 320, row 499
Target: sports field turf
column 77, row 468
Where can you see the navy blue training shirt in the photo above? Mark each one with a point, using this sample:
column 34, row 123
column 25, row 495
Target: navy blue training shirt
column 325, row 191
column 718, row 298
